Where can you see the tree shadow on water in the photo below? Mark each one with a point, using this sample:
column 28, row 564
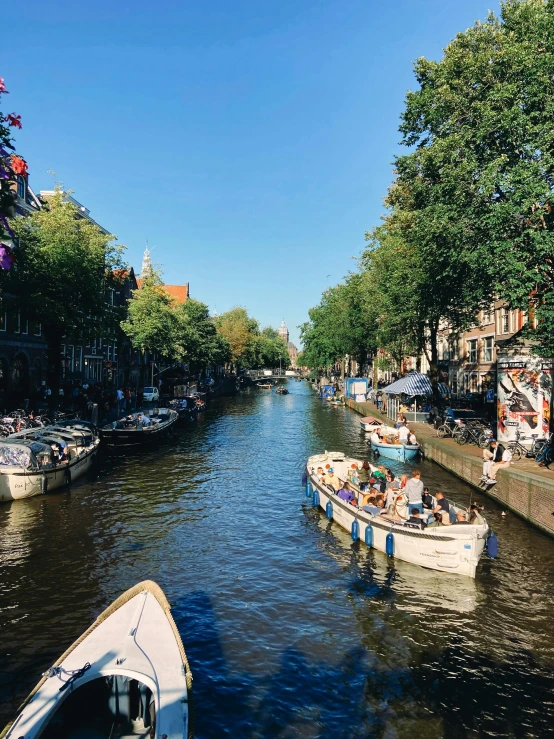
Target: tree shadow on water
column 302, row 698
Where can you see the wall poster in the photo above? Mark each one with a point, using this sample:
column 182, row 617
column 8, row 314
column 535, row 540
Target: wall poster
column 524, row 396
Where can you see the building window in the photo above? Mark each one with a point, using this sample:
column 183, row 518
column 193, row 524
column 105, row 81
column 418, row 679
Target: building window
column 21, row 187
column 488, row 315
column 17, row 328
column 487, row 349
column 472, row 351
column 3, row 320
column 505, row 321
column 77, row 359
column 38, row 328
column 474, row 383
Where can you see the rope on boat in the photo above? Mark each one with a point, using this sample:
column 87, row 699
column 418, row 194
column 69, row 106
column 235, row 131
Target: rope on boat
column 154, row 589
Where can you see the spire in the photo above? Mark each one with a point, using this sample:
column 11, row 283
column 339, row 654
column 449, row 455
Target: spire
column 283, row 331
column 146, row 263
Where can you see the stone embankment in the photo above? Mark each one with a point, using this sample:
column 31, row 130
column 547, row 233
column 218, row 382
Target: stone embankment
column 524, row 488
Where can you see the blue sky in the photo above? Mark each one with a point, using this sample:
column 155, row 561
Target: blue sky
column 250, row 141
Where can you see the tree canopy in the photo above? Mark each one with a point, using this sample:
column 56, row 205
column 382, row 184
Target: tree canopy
column 248, row 346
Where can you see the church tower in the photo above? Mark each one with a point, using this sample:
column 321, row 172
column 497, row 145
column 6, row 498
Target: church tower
column 146, row 270
column 283, row 332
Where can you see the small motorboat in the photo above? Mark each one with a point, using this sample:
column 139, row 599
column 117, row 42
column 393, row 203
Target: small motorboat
column 369, row 423
column 139, row 428
column 397, row 450
column 282, row 391
column 264, row 385
column 127, row 675
column 455, row 549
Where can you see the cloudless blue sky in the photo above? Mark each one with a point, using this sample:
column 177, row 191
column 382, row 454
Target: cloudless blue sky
column 250, row 141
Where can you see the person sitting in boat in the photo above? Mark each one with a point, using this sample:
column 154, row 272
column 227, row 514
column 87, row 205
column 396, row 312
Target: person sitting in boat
column 414, row 492
column 460, row 518
column 143, row 420
column 399, row 421
column 412, row 439
column 377, row 507
column 375, row 438
column 320, row 474
column 346, row 494
column 416, row 519
column 129, row 422
column 427, row 499
column 352, row 474
column 331, row 479
column 475, row 517
column 437, row 521
column 369, row 497
column 403, row 434
column 442, row 504
column 363, row 475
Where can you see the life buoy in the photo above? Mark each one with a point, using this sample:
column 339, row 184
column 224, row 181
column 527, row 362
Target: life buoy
column 404, row 500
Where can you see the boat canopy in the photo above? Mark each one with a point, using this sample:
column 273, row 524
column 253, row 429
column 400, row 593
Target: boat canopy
column 414, row 383
column 25, row 455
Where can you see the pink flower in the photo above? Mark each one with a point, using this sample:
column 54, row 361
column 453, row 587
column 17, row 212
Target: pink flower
column 3, row 85
column 13, row 120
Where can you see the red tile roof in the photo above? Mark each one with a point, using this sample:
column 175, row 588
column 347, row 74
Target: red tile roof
column 179, row 292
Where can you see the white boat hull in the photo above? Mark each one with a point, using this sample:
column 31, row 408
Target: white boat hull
column 16, row 484
column 133, row 646
column 455, row 549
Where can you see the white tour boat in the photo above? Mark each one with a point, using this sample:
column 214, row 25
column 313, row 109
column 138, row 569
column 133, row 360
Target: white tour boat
column 33, row 462
column 455, row 548
column 369, row 423
column 127, row 675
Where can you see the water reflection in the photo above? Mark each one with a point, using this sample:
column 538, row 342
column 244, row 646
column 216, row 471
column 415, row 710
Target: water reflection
column 291, row 629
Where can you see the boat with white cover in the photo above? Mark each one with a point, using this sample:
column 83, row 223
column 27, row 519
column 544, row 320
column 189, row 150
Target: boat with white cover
column 369, row 423
column 37, row 461
column 126, row 676
column 456, row 548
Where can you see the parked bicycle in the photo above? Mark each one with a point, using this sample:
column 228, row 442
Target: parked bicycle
column 545, row 457
column 450, row 428
column 532, row 450
column 475, row 433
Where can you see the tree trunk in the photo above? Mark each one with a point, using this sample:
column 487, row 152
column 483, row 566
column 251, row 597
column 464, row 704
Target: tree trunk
column 434, row 364
column 53, row 338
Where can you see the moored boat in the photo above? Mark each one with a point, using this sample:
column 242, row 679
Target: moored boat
column 140, row 428
column 37, row 461
column 264, row 385
column 282, row 391
column 369, row 423
column 455, row 548
column 127, row 675
column 399, row 451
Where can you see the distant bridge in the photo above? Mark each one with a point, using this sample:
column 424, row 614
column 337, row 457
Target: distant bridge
column 257, row 375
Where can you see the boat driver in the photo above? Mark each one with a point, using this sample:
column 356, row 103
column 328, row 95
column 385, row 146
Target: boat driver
column 331, row 479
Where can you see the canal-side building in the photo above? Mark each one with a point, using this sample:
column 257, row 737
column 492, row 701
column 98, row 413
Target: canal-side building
column 293, row 354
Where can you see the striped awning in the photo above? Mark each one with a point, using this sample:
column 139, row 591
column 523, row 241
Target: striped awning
column 444, row 390
column 413, row 384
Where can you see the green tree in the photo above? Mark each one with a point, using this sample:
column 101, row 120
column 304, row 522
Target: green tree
column 240, row 332
column 203, row 345
column 11, row 165
column 155, row 323
column 481, row 175
column 65, row 264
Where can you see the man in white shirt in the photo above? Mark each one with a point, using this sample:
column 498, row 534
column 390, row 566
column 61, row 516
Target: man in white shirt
column 374, row 438
column 412, row 438
column 506, row 462
column 403, row 434
column 414, row 492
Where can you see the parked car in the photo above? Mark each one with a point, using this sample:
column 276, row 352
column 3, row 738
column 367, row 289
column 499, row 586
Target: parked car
column 151, row 394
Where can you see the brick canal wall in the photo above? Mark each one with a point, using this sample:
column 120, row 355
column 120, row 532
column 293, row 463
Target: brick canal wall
column 524, row 488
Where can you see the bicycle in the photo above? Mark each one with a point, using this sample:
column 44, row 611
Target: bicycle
column 519, row 450
column 546, row 456
column 450, row 429
column 476, row 433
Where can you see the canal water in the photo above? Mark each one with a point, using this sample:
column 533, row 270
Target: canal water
column 290, row 628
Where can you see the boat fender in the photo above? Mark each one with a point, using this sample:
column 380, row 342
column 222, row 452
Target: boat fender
column 308, row 489
column 315, row 498
column 44, row 485
column 329, row 510
column 304, row 478
column 492, row 545
column 389, row 544
column 67, row 476
column 355, row 531
column 369, row 535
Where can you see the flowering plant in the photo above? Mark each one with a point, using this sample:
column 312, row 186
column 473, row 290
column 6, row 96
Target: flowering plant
column 11, row 165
